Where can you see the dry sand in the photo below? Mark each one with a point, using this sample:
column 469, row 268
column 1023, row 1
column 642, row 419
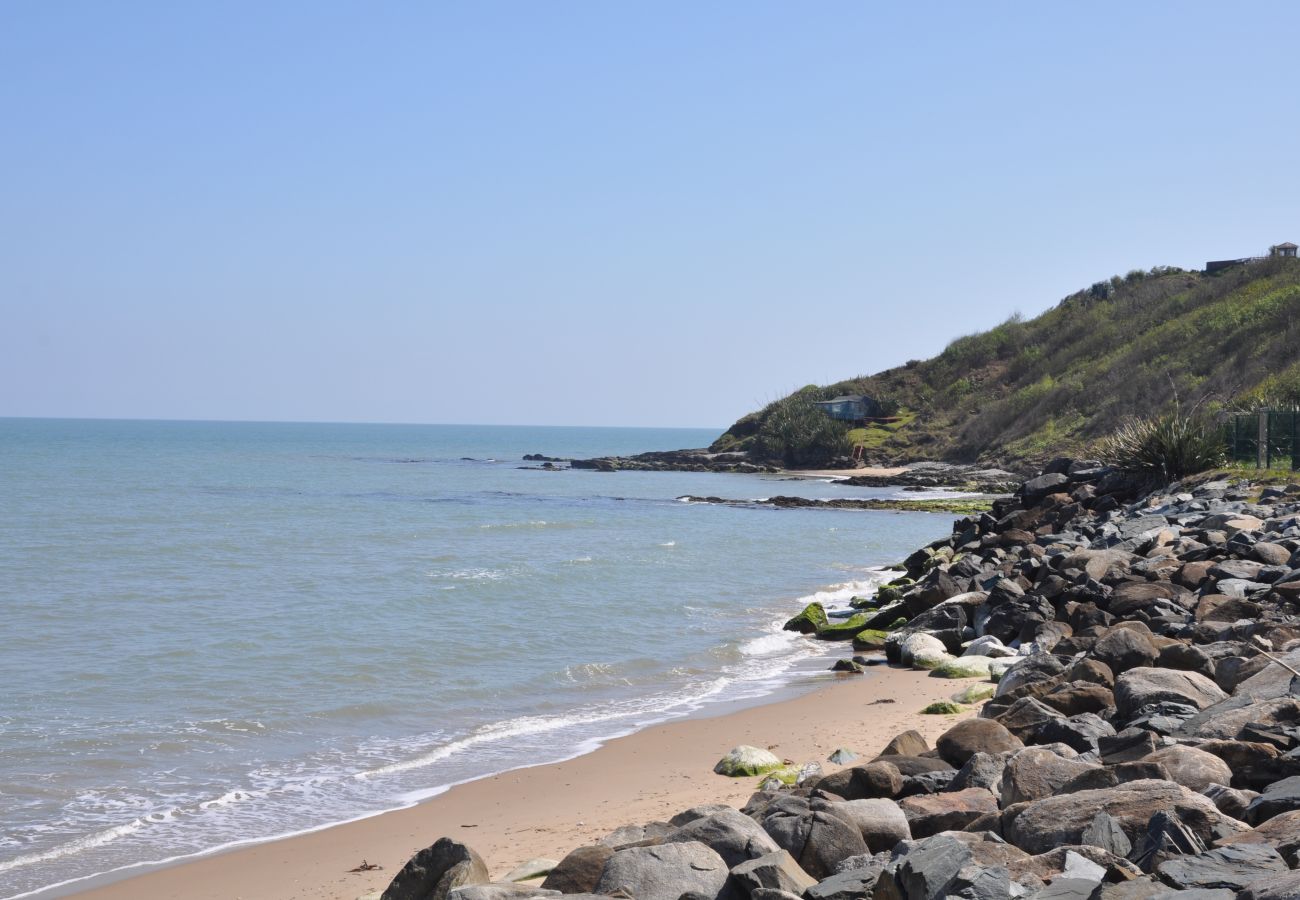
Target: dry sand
column 545, row 811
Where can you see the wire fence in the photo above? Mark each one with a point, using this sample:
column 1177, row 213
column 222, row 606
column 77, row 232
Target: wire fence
column 1265, row 439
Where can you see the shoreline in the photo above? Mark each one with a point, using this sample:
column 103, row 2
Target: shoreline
column 547, row 809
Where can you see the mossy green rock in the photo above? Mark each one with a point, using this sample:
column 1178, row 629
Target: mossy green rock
column 845, row 630
column 746, row 760
column 963, row 667
column 870, row 639
column 786, row 775
column 974, row 693
column 810, row 621
column 931, row 659
column 942, row 708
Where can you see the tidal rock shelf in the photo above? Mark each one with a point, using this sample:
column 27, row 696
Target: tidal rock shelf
column 1142, row 739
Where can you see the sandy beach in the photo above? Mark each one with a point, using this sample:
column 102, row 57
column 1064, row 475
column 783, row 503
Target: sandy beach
column 545, row 811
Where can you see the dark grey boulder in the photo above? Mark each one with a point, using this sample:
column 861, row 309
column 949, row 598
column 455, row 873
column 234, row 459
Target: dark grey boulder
column 1283, row 886
column 818, row 841
column 664, row 872
column 1082, row 732
column 982, row 770
column 730, row 833
column 1230, row 801
column 1279, row 797
column 1106, row 832
column 923, row 870
column 579, row 872
column 1231, row 868
column 434, row 871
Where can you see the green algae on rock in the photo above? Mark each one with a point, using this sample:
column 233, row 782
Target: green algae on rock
column 745, row 760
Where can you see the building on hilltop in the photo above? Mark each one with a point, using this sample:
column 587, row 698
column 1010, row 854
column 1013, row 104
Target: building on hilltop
column 1286, row 250
column 850, row 408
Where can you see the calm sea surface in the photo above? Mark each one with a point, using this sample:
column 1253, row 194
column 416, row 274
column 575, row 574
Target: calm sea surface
column 224, row 632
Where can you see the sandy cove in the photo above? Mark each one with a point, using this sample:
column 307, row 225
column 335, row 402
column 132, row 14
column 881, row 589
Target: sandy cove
column 546, row 811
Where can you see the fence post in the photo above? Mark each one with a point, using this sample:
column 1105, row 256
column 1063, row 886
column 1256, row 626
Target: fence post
column 1261, row 448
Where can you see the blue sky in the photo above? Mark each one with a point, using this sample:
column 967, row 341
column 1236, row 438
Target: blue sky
column 596, row 213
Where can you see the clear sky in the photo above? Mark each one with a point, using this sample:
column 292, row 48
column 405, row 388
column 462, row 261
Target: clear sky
column 590, row 212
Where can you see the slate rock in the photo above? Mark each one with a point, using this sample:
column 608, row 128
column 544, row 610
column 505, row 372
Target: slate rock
column 1283, row 886
column 432, row 873
column 982, row 770
column 1082, row 732
column 1279, row 797
column 923, row 870
column 1231, row 868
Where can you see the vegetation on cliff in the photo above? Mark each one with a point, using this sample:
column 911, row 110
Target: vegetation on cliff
column 1136, row 346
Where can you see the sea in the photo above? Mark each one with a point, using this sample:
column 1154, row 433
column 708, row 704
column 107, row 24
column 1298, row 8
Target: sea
column 218, row 633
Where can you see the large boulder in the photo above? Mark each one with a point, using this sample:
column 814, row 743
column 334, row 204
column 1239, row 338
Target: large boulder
column 1137, row 688
column 776, row 871
column 906, row 743
column 432, row 873
column 1283, row 886
column 1054, row 821
column 963, row 740
column 1123, row 649
column 731, row 834
column 1036, row 772
column 818, row 841
column 929, row 814
column 923, row 870
column 877, row 779
column 810, row 621
column 579, row 872
column 1193, row 769
column 664, row 872
column 1280, row 796
column 882, row 823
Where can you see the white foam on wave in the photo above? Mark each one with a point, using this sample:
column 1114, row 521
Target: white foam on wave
column 536, row 523
column 79, row 845
column 837, row 596
column 769, row 644
column 668, row 544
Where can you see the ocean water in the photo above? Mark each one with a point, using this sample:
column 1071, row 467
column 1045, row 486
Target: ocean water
column 226, row 632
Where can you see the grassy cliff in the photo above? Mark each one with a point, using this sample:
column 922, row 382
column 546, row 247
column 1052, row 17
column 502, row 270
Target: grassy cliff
column 1031, row 389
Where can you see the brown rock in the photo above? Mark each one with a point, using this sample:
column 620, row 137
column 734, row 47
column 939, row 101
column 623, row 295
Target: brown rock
column 963, row 740
column 578, row 872
column 909, row 743
column 1193, row 769
column 929, row 814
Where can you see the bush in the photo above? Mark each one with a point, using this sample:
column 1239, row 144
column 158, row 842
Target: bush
column 798, row 433
column 1167, row 447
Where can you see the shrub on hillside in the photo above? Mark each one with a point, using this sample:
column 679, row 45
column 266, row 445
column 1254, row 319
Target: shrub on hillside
column 798, row 433
column 1168, row 447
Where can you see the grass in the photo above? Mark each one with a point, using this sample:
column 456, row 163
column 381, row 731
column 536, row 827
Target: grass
column 1137, row 345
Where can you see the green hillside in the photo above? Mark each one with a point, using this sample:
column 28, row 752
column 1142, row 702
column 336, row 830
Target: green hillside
column 1031, row 389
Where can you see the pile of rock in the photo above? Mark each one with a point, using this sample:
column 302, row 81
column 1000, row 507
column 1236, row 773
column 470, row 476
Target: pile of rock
column 1143, row 739
column 675, row 461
